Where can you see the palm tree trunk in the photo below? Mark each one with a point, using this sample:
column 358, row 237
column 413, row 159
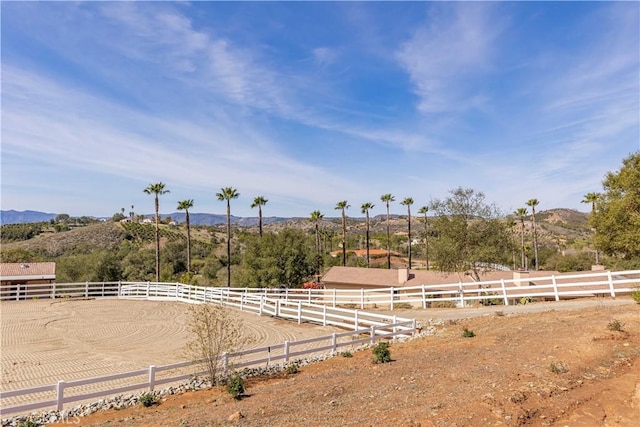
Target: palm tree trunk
column 157, row 205
column 344, row 238
column 188, row 242
column 260, row 218
column 522, row 256
column 228, row 244
column 535, row 237
column 409, row 235
column 388, row 241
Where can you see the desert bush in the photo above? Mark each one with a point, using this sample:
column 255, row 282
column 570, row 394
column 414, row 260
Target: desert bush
column 346, row 354
column 381, row 353
column 402, row 305
column 235, row 387
column 467, row 333
column 615, row 325
column 28, row 423
column 558, row 367
column 214, row 332
column 148, row 399
column 292, row 368
column 442, row 304
column 635, row 294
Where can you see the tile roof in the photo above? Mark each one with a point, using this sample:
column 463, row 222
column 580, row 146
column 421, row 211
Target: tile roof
column 18, row 269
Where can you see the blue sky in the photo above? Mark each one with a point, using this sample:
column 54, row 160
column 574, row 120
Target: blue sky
column 308, row 104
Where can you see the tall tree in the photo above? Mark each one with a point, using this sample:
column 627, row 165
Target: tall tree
column 617, row 216
column 387, row 199
column 315, row 217
column 408, row 201
column 470, row 233
column 423, row 211
column 226, row 194
column 343, row 205
column 259, row 202
column 532, row 203
column 366, row 207
column 157, row 190
column 521, row 213
column 186, row 205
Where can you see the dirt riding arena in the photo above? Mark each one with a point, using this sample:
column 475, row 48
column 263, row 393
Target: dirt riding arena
column 44, row 341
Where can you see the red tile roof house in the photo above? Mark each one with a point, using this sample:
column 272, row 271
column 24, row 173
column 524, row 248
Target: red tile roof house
column 25, row 280
column 536, row 282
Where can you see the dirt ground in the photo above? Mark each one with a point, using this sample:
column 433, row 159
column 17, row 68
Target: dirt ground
column 557, row 364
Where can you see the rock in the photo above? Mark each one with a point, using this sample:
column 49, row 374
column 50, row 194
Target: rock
column 236, row 416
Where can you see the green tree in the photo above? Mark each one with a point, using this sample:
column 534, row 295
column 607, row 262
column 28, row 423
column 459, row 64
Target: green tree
column 532, row 203
column 186, row 205
column 617, row 216
column 285, row 258
column 365, row 208
column 343, row 205
column 387, row 199
column 259, row 202
column 408, row 201
column 521, row 213
column 157, row 189
column 592, row 198
column 423, row 211
column 469, row 233
column 315, row 217
column 227, row 194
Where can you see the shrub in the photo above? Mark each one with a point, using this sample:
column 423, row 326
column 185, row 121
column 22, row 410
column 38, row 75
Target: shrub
column 635, row 294
column 558, row 367
column 292, row 368
column 28, row 423
column 235, row 387
column 346, row 354
column 615, row 325
column 467, row 333
column 442, row 304
column 148, row 399
column 402, row 305
column 381, row 353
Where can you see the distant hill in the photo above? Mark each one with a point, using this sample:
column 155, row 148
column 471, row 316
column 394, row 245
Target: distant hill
column 24, row 217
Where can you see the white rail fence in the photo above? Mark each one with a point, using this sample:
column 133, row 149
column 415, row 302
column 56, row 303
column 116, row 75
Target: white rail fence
column 363, row 327
column 505, row 291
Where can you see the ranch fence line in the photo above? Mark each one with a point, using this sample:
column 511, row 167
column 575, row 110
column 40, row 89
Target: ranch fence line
column 504, row 291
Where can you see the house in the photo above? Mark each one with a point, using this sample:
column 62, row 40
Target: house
column 362, row 253
column 23, row 280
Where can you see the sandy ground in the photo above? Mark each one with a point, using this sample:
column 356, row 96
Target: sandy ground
column 500, row 377
column 45, row 341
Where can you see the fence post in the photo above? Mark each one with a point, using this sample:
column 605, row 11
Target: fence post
column 59, row 395
column 461, row 294
column 53, row 290
column 152, row 377
column 18, row 292
column 334, row 342
column 334, row 298
column 504, row 292
column 613, row 292
column 372, row 339
column 395, row 320
column 286, row 294
column 119, row 288
column 102, row 289
column 261, row 305
column 391, row 300
column 362, row 299
column 278, row 308
column 86, row 289
column 299, row 312
column 286, row 351
column 355, row 319
column 414, row 327
column 424, row 298
column 148, row 286
column 241, row 301
column 309, row 296
column 324, row 315
column 555, row 287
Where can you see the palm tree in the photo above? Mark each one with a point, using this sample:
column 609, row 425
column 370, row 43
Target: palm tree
column 259, row 202
column 365, row 210
column 423, row 211
column 186, row 205
column 408, row 201
column 521, row 213
column 532, row 203
column 592, row 198
column 315, row 217
column 157, row 189
column 227, row 194
column 388, row 198
column 344, row 205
